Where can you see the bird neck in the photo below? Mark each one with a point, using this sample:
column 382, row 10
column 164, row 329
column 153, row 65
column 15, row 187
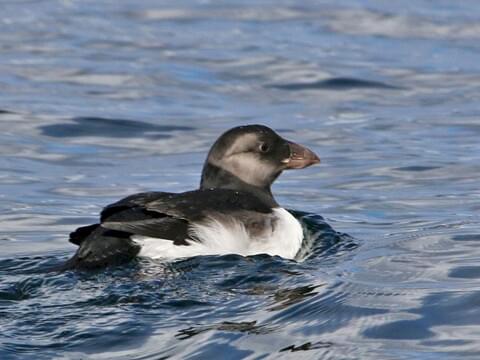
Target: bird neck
column 216, row 177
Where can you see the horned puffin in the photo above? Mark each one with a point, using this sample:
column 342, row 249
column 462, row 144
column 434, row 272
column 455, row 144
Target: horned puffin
column 232, row 212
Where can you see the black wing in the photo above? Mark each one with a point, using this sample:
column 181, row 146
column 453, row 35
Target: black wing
column 190, row 205
column 132, row 216
column 168, row 215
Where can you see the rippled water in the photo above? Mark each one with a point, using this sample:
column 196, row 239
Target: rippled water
column 103, row 99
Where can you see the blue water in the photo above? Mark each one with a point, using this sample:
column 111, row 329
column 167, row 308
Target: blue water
column 103, row 99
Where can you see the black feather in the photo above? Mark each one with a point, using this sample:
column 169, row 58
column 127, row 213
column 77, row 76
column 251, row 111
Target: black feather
column 103, row 247
column 81, row 233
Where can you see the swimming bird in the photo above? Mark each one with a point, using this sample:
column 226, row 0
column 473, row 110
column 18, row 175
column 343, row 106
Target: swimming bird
column 232, row 212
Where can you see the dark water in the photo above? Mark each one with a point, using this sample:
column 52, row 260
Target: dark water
column 103, row 99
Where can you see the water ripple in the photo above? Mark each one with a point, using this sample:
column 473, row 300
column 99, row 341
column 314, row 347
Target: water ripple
column 123, row 97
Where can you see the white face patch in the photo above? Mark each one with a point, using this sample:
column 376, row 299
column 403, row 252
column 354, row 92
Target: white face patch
column 249, row 168
column 242, row 144
column 243, row 159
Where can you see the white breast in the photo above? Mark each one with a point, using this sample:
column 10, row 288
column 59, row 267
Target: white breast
column 220, row 238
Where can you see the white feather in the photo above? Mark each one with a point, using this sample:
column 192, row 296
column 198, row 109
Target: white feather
column 220, row 238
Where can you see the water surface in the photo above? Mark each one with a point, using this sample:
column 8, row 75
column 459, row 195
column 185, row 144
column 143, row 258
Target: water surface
column 104, row 99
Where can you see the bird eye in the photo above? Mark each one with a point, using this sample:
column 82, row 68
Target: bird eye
column 264, row 147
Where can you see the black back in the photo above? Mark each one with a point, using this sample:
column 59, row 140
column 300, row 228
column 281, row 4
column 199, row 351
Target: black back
column 155, row 214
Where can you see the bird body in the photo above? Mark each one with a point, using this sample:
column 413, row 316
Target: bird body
column 233, row 211
column 278, row 233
